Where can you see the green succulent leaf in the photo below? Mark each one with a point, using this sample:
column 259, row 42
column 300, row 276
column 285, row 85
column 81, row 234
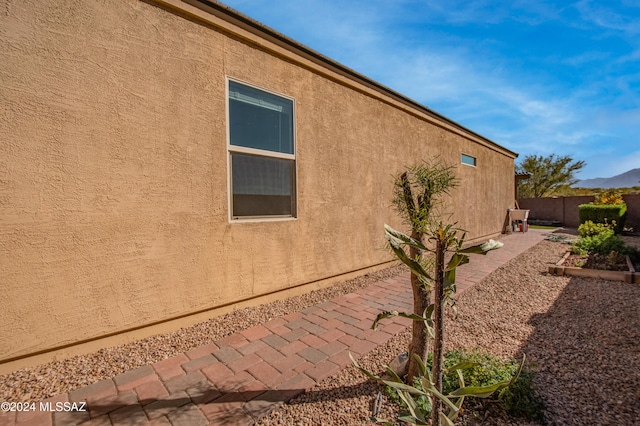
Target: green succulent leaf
column 393, row 375
column 421, row 365
column 449, row 279
column 391, row 314
column 432, row 389
column 413, row 264
column 401, row 238
column 460, row 380
column 412, row 406
column 457, row 260
column 404, row 387
column 384, row 421
column 412, row 420
column 459, row 405
column 428, row 321
column 445, row 420
column 464, row 365
column 481, row 391
column 366, row 372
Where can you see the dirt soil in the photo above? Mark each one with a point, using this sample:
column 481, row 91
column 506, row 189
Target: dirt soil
column 611, row 262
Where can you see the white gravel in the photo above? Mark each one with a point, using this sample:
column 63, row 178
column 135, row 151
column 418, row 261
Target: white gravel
column 581, row 337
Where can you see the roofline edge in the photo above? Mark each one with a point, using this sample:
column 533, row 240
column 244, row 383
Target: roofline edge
column 242, row 21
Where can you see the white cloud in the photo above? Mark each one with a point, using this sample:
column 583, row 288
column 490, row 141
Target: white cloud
column 607, row 18
column 491, row 93
column 492, row 11
column 586, row 58
column 632, row 57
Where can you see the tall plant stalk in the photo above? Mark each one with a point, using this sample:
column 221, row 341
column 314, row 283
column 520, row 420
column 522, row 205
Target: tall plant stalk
column 418, row 195
column 443, row 278
column 438, row 328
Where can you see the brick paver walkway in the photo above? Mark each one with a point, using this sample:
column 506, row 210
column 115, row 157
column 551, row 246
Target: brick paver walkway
column 242, row 377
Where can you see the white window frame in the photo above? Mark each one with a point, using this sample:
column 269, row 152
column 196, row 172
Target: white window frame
column 475, row 160
column 262, row 153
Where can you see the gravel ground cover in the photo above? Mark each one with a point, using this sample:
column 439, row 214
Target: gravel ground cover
column 581, row 337
column 40, row 382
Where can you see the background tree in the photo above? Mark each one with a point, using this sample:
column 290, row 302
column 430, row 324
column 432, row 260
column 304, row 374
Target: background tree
column 547, row 174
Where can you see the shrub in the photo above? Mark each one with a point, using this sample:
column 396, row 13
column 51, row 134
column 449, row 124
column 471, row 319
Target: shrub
column 604, row 213
column 603, row 243
column 519, row 399
column 599, row 238
column 609, row 197
column 589, row 229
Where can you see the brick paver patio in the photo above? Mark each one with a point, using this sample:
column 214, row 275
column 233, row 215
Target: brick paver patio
column 244, row 376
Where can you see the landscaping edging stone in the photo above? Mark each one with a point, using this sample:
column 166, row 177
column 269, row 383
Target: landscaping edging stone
column 630, row 276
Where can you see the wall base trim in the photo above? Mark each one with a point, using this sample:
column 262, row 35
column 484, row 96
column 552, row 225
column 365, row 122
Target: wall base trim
column 173, row 324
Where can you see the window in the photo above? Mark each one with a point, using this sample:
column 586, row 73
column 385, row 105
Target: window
column 261, row 153
column 467, row 159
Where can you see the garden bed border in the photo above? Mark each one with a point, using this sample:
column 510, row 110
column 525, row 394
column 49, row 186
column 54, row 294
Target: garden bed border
column 630, row 276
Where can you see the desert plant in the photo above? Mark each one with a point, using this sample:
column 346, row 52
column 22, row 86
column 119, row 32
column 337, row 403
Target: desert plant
column 597, row 238
column 417, row 197
column 589, row 228
column 518, row 399
column 414, row 397
column 446, row 239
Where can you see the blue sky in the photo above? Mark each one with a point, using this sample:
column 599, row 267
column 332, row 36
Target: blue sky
column 538, row 77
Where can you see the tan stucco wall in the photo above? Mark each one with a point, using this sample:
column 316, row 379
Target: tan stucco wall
column 113, row 172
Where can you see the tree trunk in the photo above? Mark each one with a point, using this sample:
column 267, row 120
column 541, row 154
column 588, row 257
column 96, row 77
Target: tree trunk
column 421, row 299
column 438, row 325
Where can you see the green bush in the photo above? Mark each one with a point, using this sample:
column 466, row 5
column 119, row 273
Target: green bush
column 599, row 238
column 589, row 229
column 518, row 399
column 603, row 243
column 604, row 213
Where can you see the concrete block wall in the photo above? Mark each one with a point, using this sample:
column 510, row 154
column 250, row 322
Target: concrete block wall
column 565, row 209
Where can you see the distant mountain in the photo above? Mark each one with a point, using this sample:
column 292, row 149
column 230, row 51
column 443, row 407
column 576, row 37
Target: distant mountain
column 624, row 180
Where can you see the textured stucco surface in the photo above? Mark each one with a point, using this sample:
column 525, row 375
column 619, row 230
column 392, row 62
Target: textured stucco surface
column 113, row 172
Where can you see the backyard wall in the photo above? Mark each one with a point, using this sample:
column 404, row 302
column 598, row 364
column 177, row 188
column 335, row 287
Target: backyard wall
column 565, row 209
column 114, row 199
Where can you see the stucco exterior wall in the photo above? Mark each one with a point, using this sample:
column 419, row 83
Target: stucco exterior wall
column 114, row 180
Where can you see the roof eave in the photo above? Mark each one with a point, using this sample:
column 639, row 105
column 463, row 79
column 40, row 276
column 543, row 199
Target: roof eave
column 238, row 19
